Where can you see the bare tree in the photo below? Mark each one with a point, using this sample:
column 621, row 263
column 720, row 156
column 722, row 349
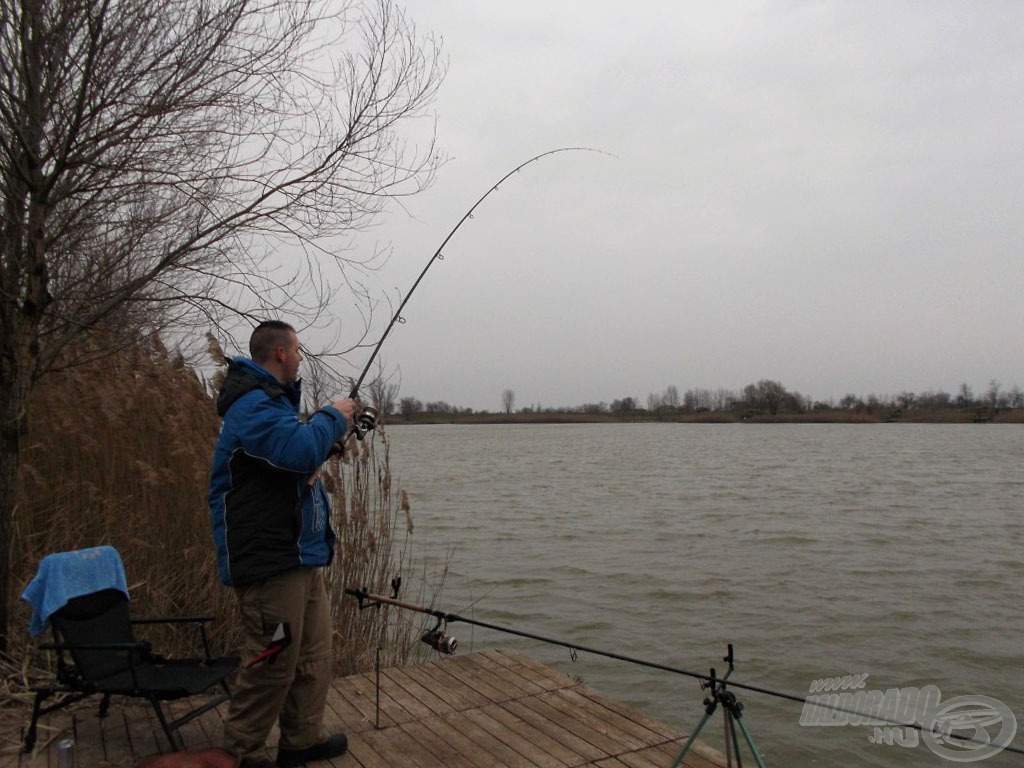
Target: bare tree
column 906, row 400
column 965, row 397
column 768, row 395
column 992, row 396
column 851, row 402
column 508, row 400
column 409, row 406
column 1016, row 397
column 623, row 406
column 383, row 394
column 154, row 154
column 724, row 398
column 671, row 397
column 771, row 394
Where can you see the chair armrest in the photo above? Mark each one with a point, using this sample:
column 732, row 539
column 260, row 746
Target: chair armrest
column 139, row 646
column 195, row 621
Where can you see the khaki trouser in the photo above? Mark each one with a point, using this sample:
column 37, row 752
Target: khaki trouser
column 292, row 690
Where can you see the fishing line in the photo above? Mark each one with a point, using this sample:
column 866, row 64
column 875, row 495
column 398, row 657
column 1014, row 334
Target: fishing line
column 437, row 636
column 439, row 255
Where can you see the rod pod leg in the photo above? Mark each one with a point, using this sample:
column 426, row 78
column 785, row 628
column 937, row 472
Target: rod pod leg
column 750, row 743
column 693, row 738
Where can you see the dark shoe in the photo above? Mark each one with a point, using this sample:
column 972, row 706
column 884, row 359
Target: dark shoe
column 335, row 746
column 255, row 762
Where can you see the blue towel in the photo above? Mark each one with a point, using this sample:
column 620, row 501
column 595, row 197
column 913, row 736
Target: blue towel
column 66, row 575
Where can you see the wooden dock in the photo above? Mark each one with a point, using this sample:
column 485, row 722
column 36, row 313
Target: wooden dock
column 487, row 710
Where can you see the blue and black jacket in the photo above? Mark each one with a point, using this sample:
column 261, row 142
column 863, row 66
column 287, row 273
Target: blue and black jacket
column 267, row 518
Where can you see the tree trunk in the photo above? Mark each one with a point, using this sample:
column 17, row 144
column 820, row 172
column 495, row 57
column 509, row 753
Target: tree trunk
column 13, row 395
column 24, row 283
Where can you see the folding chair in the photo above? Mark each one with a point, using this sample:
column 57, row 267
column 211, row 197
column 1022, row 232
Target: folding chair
column 84, row 597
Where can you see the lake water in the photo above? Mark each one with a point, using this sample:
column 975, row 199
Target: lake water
column 817, row 550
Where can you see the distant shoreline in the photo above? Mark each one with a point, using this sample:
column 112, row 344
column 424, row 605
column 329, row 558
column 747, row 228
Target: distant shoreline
column 880, row 416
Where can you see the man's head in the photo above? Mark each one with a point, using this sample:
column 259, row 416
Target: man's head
column 274, row 345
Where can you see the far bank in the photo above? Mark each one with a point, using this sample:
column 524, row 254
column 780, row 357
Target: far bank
column 831, row 416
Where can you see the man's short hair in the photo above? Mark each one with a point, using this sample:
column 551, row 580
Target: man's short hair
column 268, row 336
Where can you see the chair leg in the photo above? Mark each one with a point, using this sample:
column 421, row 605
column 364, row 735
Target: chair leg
column 30, row 737
column 38, row 710
column 177, row 745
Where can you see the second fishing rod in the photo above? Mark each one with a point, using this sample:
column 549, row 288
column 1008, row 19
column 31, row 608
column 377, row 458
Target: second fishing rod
column 439, row 639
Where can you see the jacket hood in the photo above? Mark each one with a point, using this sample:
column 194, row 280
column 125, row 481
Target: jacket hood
column 244, row 376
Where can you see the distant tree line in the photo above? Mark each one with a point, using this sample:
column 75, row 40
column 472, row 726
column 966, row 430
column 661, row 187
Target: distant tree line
column 766, row 396
column 994, row 398
column 409, row 406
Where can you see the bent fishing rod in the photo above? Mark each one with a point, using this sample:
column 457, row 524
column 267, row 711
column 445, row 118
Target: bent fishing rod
column 367, row 418
column 439, row 640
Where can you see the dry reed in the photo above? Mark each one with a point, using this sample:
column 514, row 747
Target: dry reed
column 373, row 549
column 119, row 454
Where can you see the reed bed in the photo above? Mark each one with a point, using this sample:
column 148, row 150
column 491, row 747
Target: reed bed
column 374, row 528
column 119, row 453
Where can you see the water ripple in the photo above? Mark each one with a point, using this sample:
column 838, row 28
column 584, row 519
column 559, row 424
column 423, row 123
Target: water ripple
column 818, row 550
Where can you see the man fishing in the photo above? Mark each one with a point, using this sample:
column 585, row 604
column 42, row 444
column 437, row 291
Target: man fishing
column 271, row 526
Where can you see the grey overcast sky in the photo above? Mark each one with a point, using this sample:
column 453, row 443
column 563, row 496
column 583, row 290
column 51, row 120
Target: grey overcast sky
column 824, row 193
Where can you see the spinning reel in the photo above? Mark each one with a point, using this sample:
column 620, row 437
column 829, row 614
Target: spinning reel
column 439, row 640
column 365, row 421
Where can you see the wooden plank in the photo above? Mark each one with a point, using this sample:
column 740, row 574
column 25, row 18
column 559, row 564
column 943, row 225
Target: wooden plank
column 128, row 732
column 346, row 715
column 208, row 727
column 458, row 697
column 365, row 686
column 593, row 717
column 666, row 754
column 82, row 726
column 647, row 758
column 559, row 679
column 471, row 750
column 405, row 698
column 663, row 729
column 642, row 733
column 145, row 734
column 546, row 677
column 345, row 761
column 565, row 726
column 444, row 677
column 551, row 738
column 491, row 751
column 416, row 700
column 114, row 745
column 537, row 749
column 560, row 731
column 442, row 750
column 357, row 700
column 397, row 747
column 359, row 751
column 58, row 726
column 701, row 755
column 333, row 723
column 509, row 679
column 470, row 674
column 580, row 724
column 425, row 696
column 192, row 733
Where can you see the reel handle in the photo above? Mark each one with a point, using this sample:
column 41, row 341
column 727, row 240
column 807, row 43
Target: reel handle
column 363, row 423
